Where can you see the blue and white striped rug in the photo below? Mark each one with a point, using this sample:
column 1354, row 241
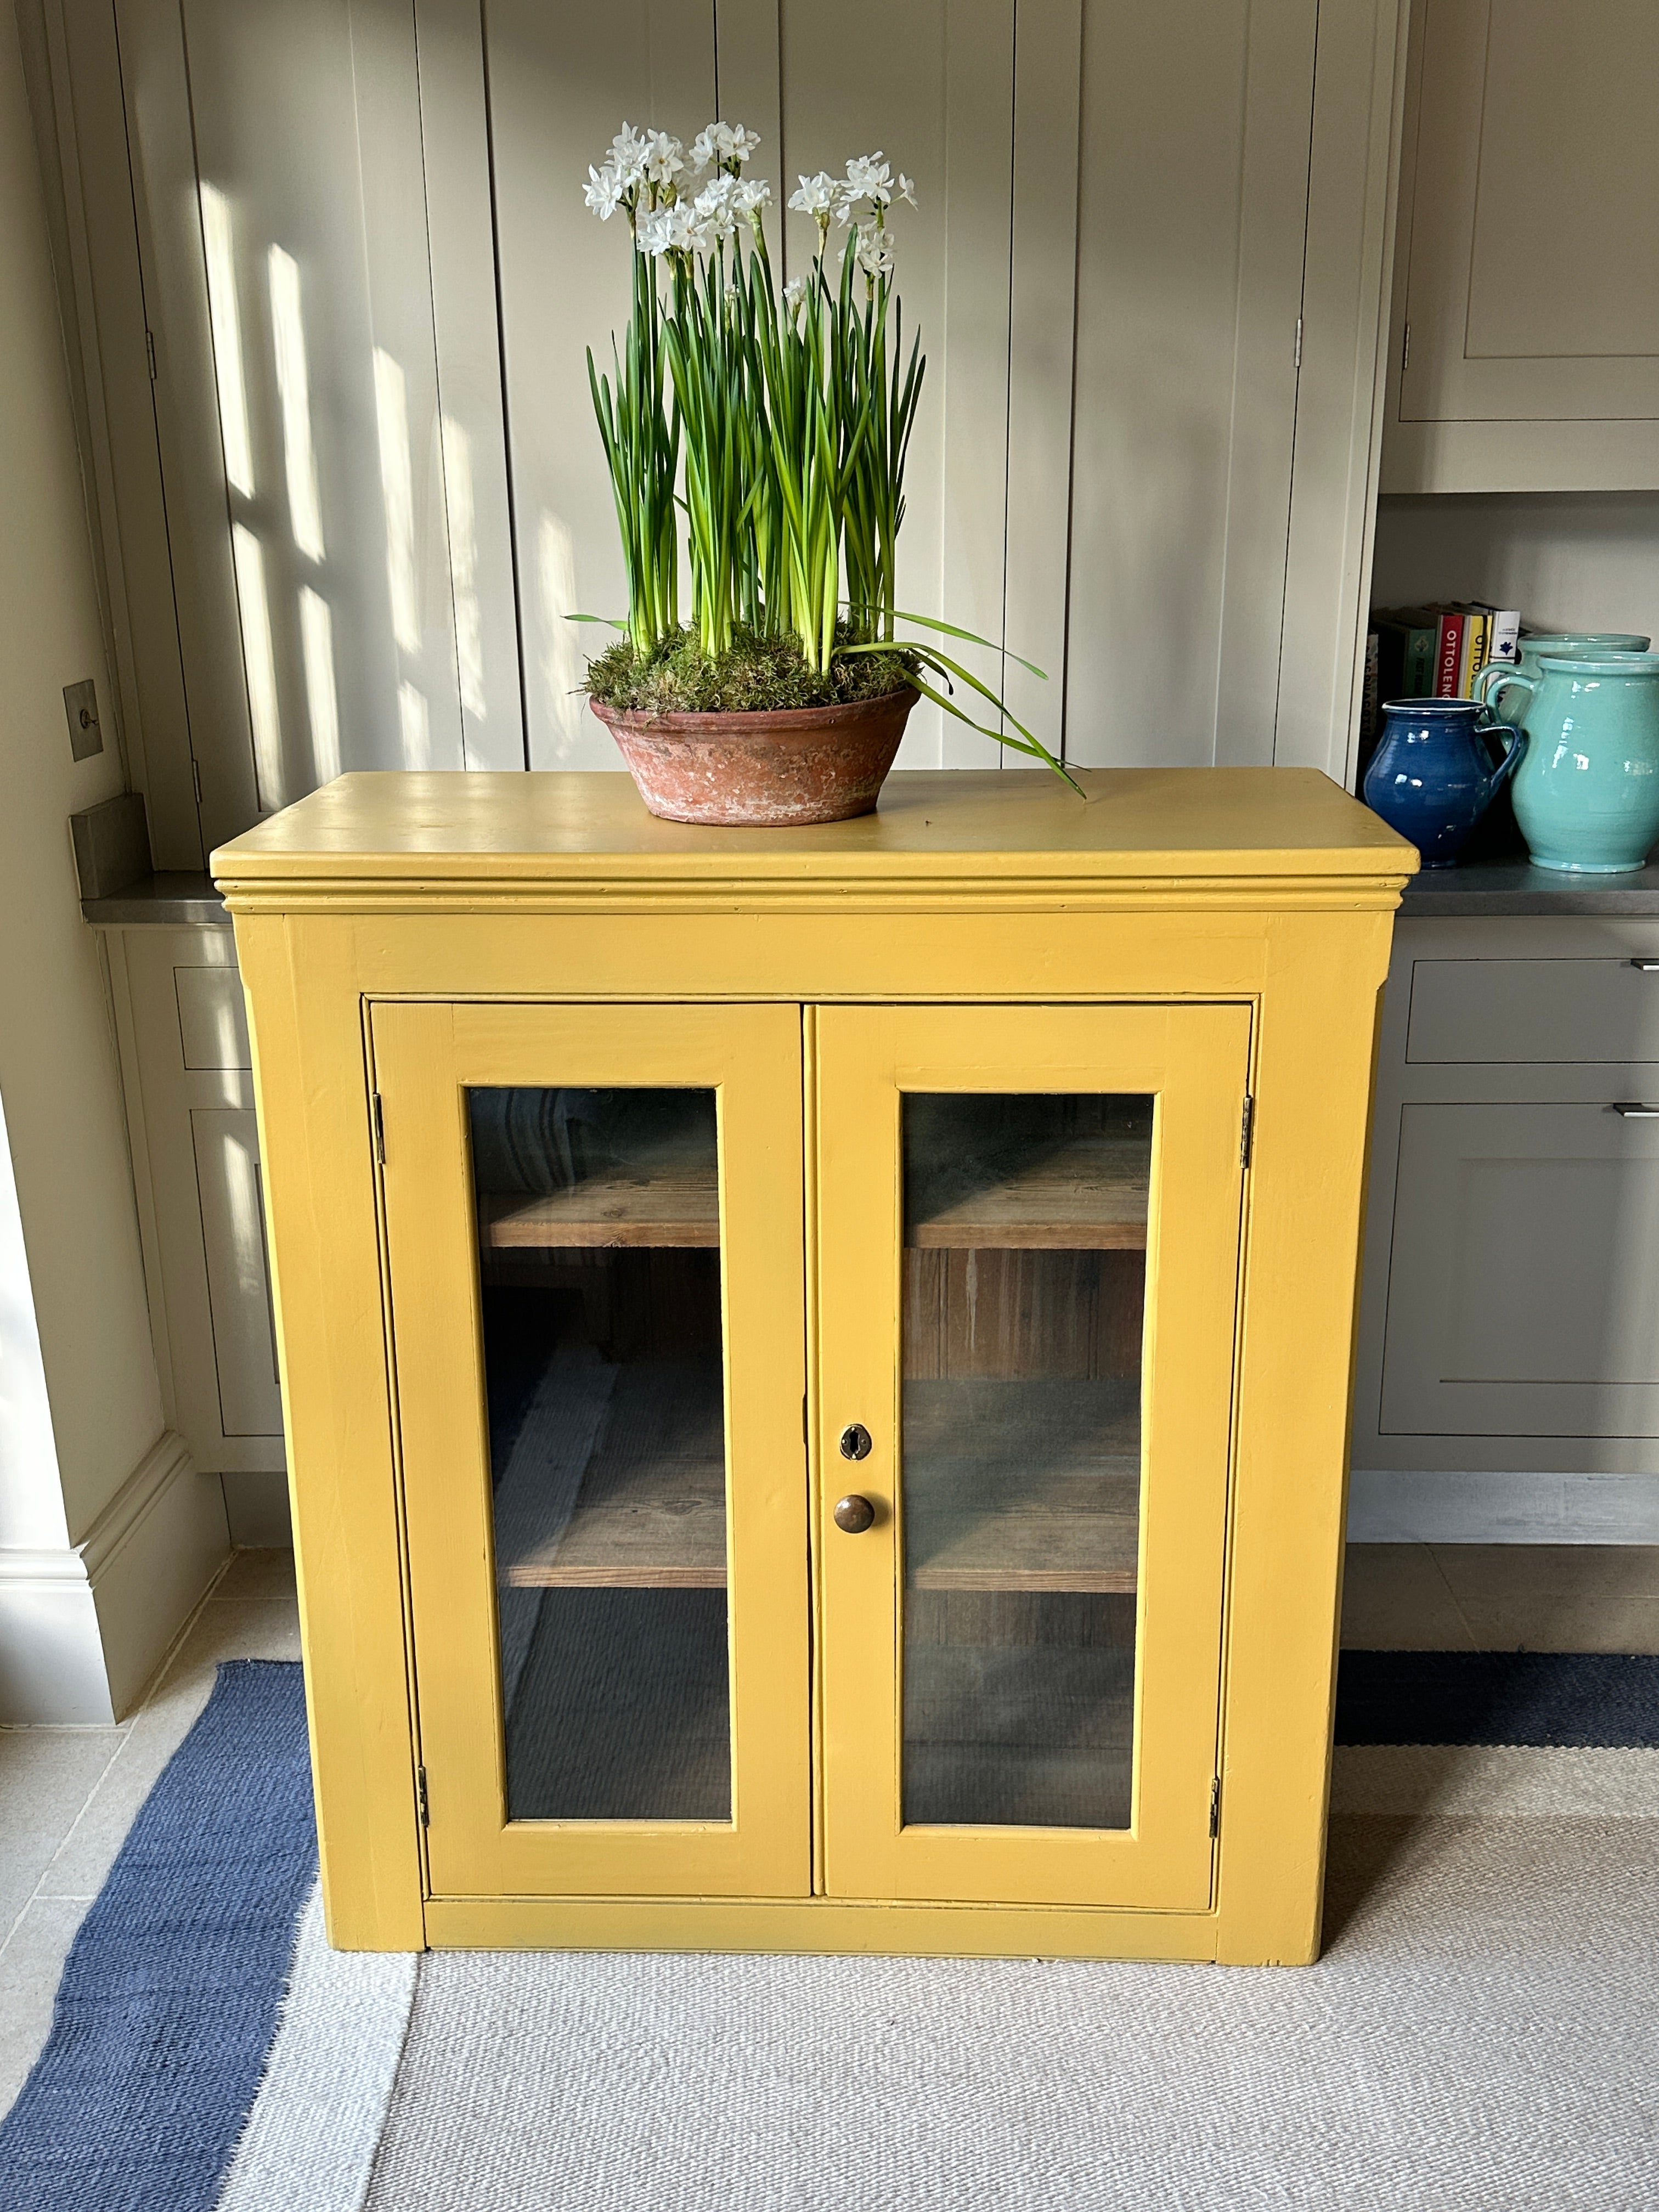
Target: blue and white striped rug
column 208, row 2049
column 1480, row 2034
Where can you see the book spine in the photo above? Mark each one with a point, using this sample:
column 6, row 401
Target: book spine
column 1504, row 642
column 1476, row 629
column 1448, row 651
column 1419, row 664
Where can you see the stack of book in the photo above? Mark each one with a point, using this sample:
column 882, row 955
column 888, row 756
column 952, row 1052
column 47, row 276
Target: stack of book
column 1432, row 652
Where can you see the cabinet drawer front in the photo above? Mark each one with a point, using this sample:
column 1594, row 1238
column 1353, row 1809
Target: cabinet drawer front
column 1028, row 1226
column 226, row 1144
column 1524, row 1277
column 212, row 1018
column 1533, row 1013
column 595, row 1234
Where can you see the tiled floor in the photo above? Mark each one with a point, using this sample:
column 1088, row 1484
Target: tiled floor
column 68, row 1796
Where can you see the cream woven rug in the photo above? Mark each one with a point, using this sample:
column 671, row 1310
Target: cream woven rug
column 1482, row 2033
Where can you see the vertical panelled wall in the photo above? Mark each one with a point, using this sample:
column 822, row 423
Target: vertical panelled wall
column 337, row 531
column 1106, row 265
column 371, row 282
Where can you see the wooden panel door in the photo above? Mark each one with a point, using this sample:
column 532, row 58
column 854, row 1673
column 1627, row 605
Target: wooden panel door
column 1027, row 1225
column 594, row 1232
column 1532, row 288
column 1523, row 1275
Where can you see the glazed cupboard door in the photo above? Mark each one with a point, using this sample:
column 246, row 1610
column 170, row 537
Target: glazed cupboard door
column 593, row 1219
column 1027, row 1225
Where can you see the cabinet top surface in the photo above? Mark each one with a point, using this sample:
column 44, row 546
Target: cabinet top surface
column 398, row 828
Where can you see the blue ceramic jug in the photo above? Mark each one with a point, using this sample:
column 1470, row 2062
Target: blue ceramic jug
column 1432, row 777
column 1586, row 797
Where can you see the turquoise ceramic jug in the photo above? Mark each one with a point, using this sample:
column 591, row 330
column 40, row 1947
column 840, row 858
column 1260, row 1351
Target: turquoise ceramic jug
column 1572, row 644
column 1587, row 793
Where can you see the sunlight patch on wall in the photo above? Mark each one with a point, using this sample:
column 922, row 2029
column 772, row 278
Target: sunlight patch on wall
column 316, row 647
column 294, row 390
column 464, row 564
column 260, row 663
column 561, row 664
column 398, row 492
column 227, row 328
column 416, row 725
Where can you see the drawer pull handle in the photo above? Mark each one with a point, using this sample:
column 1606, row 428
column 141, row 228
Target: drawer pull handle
column 854, row 1515
column 1632, row 1109
column 1647, row 967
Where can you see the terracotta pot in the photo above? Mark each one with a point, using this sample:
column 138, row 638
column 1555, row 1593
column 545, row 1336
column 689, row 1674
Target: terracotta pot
column 762, row 770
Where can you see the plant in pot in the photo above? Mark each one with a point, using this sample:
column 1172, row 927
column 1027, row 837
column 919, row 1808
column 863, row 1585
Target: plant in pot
column 771, row 429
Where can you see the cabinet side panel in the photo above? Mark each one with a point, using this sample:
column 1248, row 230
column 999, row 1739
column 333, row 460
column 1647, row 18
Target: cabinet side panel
column 313, row 1091
column 1305, row 1209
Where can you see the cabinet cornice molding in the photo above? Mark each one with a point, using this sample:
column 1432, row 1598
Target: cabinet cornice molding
column 1144, row 841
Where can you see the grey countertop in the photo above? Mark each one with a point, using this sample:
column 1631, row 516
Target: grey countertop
column 164, row 901
column 1492, row 888
column 1512, row 885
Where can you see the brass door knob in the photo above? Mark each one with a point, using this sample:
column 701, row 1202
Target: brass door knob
column 855, row 1514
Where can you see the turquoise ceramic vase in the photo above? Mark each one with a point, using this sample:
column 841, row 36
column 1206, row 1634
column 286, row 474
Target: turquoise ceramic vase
column 1571, row 644
column 1586, row 791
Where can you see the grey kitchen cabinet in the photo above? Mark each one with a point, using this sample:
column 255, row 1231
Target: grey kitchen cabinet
column 1510, row 1305
column 186, row 1076
column 1526, row 301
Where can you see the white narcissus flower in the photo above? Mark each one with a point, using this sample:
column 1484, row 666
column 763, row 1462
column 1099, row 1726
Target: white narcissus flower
column 686, row 233
column 627, row 157
column 663, row 158
column 817, row 195
column 715, row 207
column 722, row 145
column 874, row 249
column 906, row 189
column 751, row 195
column 794, row 295
column 603, row 192
column 868, row 177
column 650, row 232
column 671, row 229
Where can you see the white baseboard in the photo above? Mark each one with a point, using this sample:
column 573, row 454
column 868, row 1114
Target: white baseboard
column 255, row 1505
column 1408, row 1506
column 83, row 1629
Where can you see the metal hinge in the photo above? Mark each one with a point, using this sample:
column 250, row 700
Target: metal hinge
column 803, row 1418
column 196, row 777
column 378, row 1113
column 150, row 353
column 426, row 1813
column 1405, row 350
column 1247, row 1131
column 1297, row 363
column 1215, row 1807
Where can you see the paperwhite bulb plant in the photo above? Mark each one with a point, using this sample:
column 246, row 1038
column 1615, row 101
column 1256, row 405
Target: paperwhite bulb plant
column 786, row 420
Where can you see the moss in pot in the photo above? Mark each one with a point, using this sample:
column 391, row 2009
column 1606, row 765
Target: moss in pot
column 774, row 428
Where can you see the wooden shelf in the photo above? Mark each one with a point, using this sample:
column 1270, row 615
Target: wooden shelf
column 1086, row 1193
column 649, row 1506
column 669, row 1195
column 1022, row 1486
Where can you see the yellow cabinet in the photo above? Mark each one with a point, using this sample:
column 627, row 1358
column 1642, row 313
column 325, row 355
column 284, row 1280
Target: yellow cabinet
column 816, row 1364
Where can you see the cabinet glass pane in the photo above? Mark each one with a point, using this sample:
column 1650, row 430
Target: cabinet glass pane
column 599, row 1237
column 1024, row 1284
